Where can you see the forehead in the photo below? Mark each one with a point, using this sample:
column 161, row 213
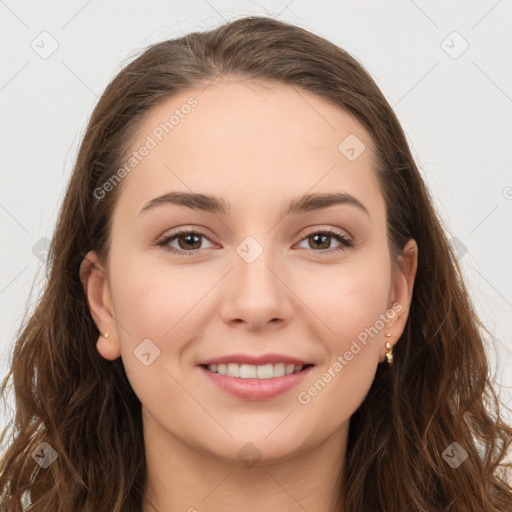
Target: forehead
column 257, row 141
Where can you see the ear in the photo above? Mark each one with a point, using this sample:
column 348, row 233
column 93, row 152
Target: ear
column 401, row 292
column 96, row 287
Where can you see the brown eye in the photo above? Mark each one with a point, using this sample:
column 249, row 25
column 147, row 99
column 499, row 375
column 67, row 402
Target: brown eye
column 321, row 241
column 188, row 242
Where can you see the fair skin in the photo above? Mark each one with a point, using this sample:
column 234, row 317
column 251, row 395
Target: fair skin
column 257, row 146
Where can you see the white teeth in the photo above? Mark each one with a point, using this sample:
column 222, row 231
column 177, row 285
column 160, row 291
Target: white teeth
column 279, row 370
column 250, row 371
column 233, row 370
column 265, row 372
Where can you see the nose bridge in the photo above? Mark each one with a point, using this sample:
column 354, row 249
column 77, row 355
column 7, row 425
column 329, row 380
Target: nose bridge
column 255, row 294
column 254, row 257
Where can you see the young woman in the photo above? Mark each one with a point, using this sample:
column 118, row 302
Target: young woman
column 252, row 304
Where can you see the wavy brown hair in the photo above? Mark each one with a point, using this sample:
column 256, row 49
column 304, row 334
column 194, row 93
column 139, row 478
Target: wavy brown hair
column 438, row 390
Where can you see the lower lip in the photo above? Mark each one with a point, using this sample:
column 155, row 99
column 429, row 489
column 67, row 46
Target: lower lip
column 257, row 389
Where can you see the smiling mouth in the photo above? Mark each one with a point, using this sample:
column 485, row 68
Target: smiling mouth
column 249, row 371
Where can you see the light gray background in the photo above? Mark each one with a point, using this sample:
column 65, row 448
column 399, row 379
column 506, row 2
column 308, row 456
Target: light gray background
column 454, row 108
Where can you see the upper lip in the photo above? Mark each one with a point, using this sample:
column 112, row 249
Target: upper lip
column 255, row 360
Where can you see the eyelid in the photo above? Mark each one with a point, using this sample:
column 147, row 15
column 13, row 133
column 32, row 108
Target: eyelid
column 189, row 228
column 320, row 228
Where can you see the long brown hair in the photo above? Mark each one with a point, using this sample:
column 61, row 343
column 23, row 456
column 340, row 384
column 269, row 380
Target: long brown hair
column 437, row 392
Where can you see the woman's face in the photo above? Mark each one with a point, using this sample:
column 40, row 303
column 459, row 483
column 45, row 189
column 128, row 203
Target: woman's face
column 250, row 282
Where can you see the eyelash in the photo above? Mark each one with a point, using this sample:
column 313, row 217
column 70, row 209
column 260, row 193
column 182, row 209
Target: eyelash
column 345, row 243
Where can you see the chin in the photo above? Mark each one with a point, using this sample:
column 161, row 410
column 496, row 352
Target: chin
column 257, row 448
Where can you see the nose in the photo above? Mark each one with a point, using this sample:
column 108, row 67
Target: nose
column 256, row 294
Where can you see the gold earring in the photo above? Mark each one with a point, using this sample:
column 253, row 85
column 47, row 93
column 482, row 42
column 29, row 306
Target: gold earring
column 389, row 353
column 105, row 335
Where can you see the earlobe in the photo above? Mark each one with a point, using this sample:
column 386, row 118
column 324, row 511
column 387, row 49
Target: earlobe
column 108, row 347
column 96, row 288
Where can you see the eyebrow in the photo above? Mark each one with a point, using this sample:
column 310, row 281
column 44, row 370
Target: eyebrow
column 212, row 204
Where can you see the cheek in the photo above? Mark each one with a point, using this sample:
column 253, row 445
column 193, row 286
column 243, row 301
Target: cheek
column 351, row 298
column 150, row 298
column 154, row 309
column 353, row 309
